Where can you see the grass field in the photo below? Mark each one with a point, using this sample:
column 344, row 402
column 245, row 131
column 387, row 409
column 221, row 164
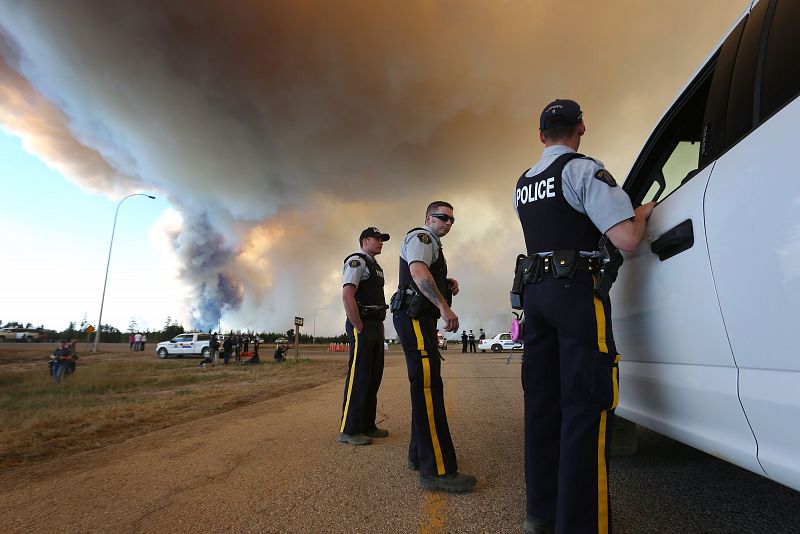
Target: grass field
column 116, row 394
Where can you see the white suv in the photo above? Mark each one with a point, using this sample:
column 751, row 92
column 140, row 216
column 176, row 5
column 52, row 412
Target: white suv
column 706, row 310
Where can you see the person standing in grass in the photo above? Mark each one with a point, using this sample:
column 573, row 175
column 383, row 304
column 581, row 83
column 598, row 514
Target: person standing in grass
column 60, row 360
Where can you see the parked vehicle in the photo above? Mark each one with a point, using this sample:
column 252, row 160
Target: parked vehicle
column 188, row 344
column 499, row 343
column 442, row 340
column 705, row 313
column 24, row 335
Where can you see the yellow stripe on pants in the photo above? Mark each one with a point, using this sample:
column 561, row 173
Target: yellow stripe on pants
column 602, row 469
column 602, row 477
column 350, row 385
column 420, row 340
column 426, row 385
column 615, row 382
column 600, row 313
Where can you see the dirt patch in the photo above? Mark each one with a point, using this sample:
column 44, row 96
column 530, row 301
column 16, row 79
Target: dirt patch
column 116, row 395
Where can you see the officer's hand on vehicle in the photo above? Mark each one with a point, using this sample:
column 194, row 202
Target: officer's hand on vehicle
column 453, row 285
column 645, row 210
column 450, row 320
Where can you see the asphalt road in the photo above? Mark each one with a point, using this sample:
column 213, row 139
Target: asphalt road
column 276, row 467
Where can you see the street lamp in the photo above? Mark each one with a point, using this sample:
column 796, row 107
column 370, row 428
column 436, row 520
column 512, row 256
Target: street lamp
column 108, row 262
column 314, row 335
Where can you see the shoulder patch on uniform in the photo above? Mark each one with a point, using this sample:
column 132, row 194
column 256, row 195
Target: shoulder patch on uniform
column 605, row 176
column 354, row 263
column 425, row 238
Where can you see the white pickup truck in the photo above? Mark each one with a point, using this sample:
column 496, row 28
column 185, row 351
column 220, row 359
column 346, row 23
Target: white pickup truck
column 188, row 344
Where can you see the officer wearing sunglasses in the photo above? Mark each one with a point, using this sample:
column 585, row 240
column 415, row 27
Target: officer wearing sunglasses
column 425, row 293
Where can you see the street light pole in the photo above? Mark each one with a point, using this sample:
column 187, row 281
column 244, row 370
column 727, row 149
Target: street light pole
column 108, row 262
column 314, row 335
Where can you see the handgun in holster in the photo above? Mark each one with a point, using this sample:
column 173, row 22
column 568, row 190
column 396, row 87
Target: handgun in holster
column 610, row 263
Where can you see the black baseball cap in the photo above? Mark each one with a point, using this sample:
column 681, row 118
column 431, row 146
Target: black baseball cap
column 560, row 112
column 373, row 232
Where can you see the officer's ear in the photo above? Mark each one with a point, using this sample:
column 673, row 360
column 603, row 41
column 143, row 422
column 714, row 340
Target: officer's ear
column 541, row 137
column 581, row 128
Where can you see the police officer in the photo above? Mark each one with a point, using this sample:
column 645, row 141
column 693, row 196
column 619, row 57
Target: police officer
column 566, row 202
column 425, row 294
column 472, row 341
column 365, row 306
column 464, row 339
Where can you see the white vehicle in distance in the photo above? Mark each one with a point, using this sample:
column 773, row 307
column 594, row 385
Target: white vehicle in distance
column 705, row 311
column 442, row 341
column 499, row 343
column 188, row 344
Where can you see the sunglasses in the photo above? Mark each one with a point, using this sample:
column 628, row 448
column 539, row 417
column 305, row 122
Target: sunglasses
column 444, row 218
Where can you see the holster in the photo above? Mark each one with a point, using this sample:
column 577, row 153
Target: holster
column 517, row 285
column 413, row 303
column 612, row 261
column 421, row 306
column 378, row 313
column 398, row 300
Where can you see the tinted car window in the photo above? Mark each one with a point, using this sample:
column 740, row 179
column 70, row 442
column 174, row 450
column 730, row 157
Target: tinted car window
column 203, row 337
column 671, row 156
column 781, row 74
column 739, row 119
column 711, row 145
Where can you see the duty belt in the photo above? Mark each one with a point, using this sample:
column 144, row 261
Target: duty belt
column 560, row 268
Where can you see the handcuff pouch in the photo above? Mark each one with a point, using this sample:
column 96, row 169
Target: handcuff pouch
column 564, row 263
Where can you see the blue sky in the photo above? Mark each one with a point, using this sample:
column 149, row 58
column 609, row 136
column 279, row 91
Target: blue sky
column 56, row 245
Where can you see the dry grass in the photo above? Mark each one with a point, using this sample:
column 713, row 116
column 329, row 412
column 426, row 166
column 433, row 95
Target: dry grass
column 116, row 396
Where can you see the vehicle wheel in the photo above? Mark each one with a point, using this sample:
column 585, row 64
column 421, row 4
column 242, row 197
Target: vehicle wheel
column 206, row 352
column 162, row 353
column 2, row 339
column 28, row 339
column 497, row 347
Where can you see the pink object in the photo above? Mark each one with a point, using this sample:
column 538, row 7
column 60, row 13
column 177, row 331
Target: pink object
column 515, row 329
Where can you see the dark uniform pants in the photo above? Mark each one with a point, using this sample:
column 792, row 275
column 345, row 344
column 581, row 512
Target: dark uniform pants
column 364, row 374
column 431, row 446
column 570, row 379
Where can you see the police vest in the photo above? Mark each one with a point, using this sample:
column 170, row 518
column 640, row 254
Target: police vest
column 438, row 270
column 548, row 221
column 370, row 291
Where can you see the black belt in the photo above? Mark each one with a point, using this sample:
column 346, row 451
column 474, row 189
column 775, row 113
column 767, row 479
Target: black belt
column 584, row 263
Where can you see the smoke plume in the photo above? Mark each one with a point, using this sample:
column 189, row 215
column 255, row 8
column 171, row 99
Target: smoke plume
column 281, row 129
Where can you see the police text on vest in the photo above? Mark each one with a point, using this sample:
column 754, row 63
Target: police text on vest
column 536, row 191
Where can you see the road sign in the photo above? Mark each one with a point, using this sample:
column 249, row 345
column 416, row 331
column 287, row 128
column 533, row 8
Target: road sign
column 89, row 329
column 298, row 321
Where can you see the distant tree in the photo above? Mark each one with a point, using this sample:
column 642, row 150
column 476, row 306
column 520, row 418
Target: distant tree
column 132, row 326
column 171, row 329
column 28, row 325
column 84, row 324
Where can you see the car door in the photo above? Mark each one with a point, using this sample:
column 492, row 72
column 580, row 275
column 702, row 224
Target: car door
column 677, row 372
column 753, row 226
column 180, row 344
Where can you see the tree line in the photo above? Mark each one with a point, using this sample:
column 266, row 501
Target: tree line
column 170, row 329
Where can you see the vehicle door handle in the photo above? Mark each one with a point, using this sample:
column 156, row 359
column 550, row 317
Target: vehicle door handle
column 674, row 241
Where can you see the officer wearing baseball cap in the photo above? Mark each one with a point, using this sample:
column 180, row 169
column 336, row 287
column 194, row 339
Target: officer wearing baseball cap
column 365, row 306
column 566, row 202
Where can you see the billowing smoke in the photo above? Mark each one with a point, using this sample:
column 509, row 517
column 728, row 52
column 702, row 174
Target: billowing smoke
column 279, row 130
